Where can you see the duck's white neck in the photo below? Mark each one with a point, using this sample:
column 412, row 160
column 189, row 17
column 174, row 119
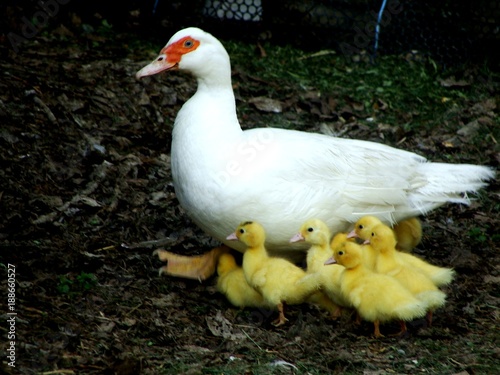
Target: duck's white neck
column 215, row 78
column 211, row 112
column 205, row 130
column 214, row 72
column 208, row 117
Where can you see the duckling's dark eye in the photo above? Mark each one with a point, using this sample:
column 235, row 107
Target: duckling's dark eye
column 360, row 226
column 373, row 234
column 310, row 229
column 188, row 43
column 341, row 253
column 242, row 231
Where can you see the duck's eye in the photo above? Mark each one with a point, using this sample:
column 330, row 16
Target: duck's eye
column 242, row 230
column 340, row 253
column 373, row 234
column 310, row 229
column 188, row 43
column 160, row 58
column 360, row 226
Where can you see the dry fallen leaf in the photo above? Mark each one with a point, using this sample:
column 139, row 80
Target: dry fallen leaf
column 468, row 131
column 492, row 279
column 266, row 104
column 90, row 202
column 485, row 106
column 453, row 82
column 164, row 301
column 221, row 327
column 106, row 327
column 129, row 322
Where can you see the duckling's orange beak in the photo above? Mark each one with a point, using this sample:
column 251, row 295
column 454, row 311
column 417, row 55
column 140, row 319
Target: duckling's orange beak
column 330, row 261
column 232, row 237
column 297, row 238
column 352, row 234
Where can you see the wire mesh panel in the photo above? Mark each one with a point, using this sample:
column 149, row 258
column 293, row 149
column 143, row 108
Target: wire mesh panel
column 240, row 10
column 448, row 31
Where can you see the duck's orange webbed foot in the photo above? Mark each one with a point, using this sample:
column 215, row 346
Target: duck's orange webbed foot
column 199, row 267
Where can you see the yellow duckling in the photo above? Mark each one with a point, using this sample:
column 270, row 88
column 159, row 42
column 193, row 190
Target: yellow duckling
column 278, row 280
column 316, row 233
column 378, row 298
column 440, row 276
column 408, row 234
column 368, row 254
column 331, row 276
column 390, row 263
column 232, row 283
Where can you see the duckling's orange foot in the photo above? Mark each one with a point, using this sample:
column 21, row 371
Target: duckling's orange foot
column 402, row 332
column 358, row 320
column 376, row 331
column 337, row 313
column 428, row 319
column 280, row 321
column 199, row 267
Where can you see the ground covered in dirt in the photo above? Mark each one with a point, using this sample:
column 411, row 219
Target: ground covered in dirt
column 85, row 184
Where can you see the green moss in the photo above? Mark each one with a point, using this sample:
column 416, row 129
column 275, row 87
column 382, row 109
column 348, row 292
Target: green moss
column 410, row 89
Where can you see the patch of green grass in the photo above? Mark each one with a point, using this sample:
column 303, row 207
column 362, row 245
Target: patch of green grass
column 478, row 234
column 73, row 286
column 412, row 91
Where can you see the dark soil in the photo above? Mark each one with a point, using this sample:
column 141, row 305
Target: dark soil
column 85, row 180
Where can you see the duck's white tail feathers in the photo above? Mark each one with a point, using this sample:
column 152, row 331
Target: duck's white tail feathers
column 439, row 183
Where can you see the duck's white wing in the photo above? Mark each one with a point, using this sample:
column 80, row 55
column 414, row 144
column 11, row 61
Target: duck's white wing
column 282, row 178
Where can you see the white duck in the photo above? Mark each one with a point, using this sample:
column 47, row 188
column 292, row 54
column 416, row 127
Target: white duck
column 223, row 175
